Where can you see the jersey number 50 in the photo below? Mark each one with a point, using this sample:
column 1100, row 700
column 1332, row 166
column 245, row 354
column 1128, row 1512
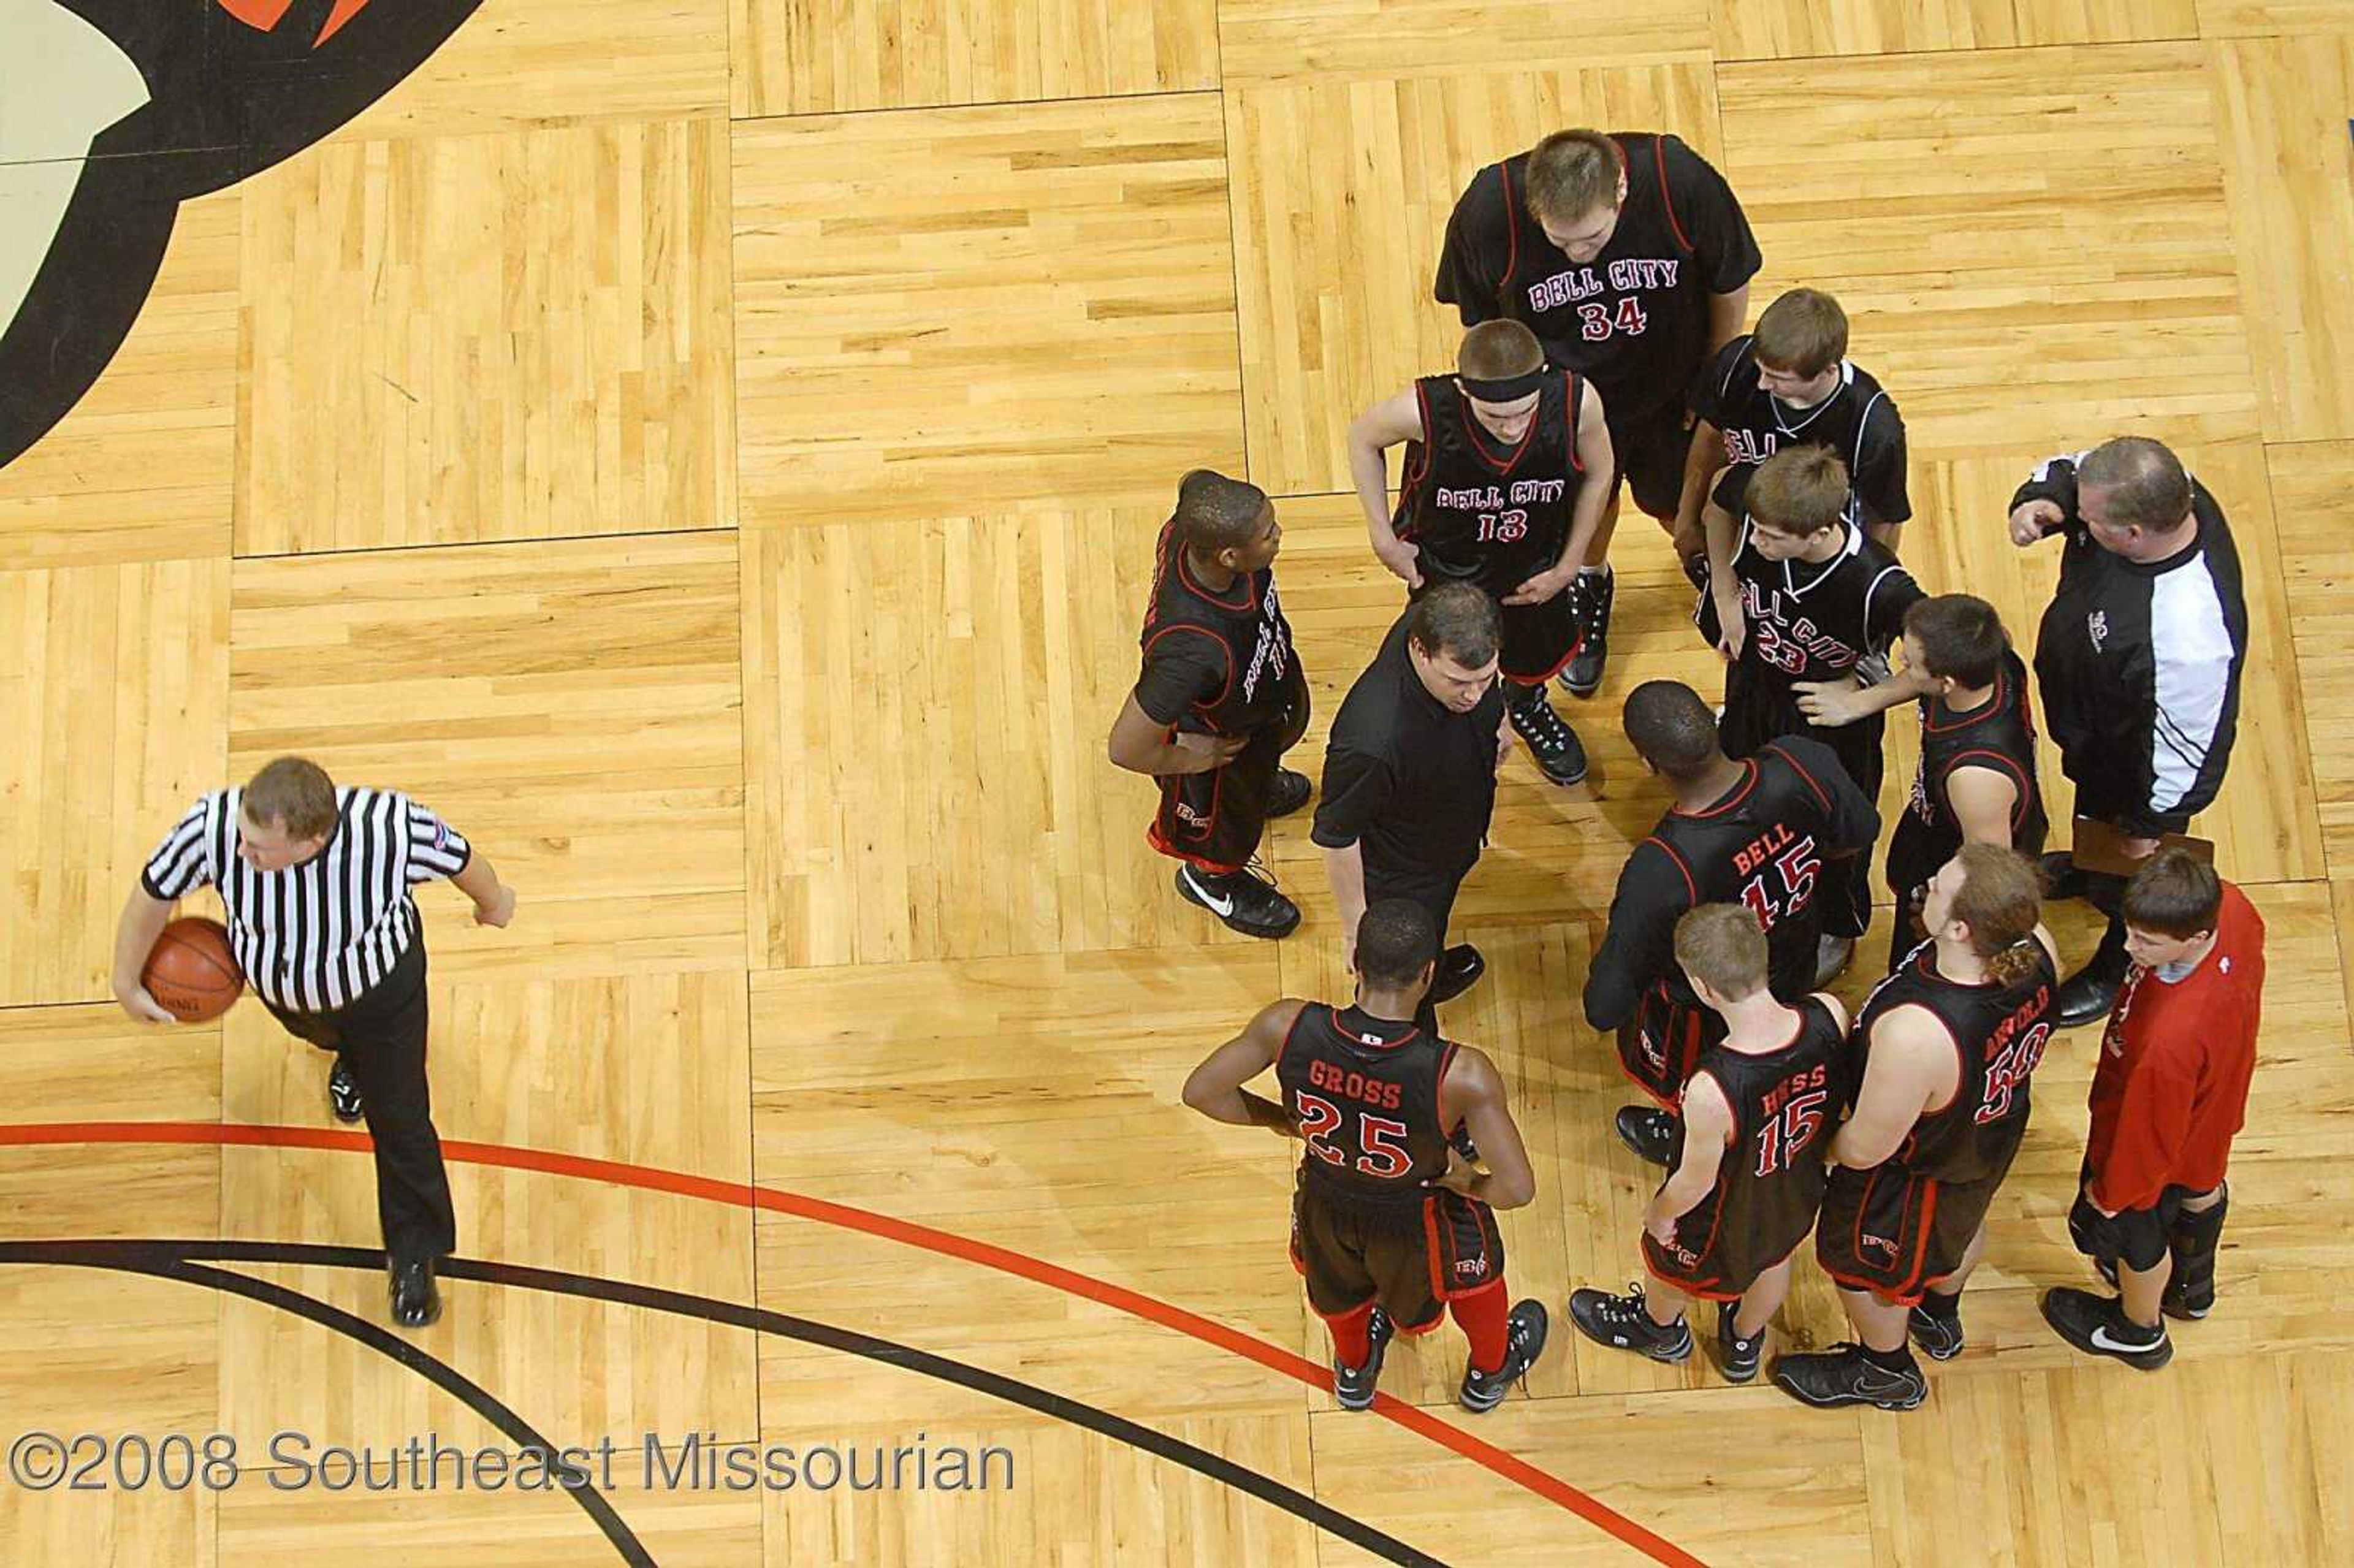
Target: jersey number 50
column 2008, row 1071
column 1382, row 1141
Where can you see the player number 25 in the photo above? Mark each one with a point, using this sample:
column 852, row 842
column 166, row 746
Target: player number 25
column 1381, row 1139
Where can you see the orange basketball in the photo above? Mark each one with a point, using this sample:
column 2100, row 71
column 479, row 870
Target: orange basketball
column 190, row 973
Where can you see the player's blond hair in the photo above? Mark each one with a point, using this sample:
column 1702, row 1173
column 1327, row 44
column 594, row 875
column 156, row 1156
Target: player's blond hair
column 1799, row 490
column 1572, row 173
column 1722, row 944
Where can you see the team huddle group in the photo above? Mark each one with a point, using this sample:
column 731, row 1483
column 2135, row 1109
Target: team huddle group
column 1603, row 280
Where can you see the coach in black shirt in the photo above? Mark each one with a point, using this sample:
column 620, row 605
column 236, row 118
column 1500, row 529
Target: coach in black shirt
column 315, row 884
column 2139, row 659
column 1410, row 769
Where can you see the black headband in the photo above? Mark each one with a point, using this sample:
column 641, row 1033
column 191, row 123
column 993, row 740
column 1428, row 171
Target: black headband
column 1508, row 390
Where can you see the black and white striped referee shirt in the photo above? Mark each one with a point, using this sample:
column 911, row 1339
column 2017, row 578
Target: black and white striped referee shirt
column 319, row 934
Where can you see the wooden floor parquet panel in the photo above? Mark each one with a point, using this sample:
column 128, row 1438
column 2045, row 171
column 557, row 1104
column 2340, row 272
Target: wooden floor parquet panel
column 1794, row 29
column 114, row 680
column 1341, row 191
column 826, row 885
column 522, row 336
column 520, row 63
column 2313, row 495
column 823, row 56
column 2281, row 103
column 143, row 468
column 567, row 706
column 1917, row 189
column 927, row 303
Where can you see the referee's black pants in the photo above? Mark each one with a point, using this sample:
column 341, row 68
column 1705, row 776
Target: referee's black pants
column 380, row 1038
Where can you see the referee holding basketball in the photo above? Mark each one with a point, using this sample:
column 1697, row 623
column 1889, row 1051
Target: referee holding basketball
column 316, row 881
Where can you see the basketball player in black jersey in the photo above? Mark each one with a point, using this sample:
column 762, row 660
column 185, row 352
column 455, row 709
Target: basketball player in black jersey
column 1630, row 258
column 1948, row 1042
column 1800, row 594
column 1748, row 1174
column 1976, row 783
column 1495, row 492
column 1789, row 383
column 1390, row 1228
column 1221, row 698
column 1766, row 833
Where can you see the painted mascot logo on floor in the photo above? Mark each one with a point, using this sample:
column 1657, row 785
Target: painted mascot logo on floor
column 112, row 112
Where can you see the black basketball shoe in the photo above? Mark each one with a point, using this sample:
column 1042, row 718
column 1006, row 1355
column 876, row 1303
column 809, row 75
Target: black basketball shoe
column 1244, row 902
column 1354, row 1386
column 1650, row 1131
column 1525, row 1338
column 1737, row 1358
column 1844, row 1375
column 1291, row 792
column 1459, row 969
column 1939, row 1334
column 1553, row 744
column 2097, row 1325
column 1583, row 676
column 1621, row 1323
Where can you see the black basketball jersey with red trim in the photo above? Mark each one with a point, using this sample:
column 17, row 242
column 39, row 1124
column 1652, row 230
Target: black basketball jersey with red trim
column 1247, row 622
column 1811, row 621
column 1786, row 1104
column 1481, row 511
column 1858, row 420
column 1998, row 735
column 1635, row 319
column 1763, row 846
column 1999, row 1033
column 1364, row 1093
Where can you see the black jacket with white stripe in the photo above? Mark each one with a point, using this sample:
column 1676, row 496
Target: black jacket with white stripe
column 2140, row 663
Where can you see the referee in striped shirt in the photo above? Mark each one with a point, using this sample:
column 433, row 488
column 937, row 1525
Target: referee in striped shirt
column 316, row 881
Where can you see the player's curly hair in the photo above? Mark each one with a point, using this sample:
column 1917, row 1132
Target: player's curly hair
column 2002, row 901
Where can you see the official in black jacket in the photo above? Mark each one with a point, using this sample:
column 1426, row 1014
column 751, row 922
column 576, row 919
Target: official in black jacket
column 2139, row 659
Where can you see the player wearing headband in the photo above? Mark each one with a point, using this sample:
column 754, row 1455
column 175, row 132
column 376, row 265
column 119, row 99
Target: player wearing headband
column 1507, row 474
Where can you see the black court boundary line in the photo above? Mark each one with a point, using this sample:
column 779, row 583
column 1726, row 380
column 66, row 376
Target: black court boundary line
column 185, row 1260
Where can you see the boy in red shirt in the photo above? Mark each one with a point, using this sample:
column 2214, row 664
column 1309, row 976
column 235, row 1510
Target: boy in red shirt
column 2170, row 1092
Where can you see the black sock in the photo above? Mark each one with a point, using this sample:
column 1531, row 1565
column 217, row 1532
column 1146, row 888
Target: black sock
column 1899, row 1359
column 1940, row 1305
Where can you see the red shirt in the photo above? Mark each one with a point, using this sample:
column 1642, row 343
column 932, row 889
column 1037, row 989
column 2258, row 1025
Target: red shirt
column 2172, row 1085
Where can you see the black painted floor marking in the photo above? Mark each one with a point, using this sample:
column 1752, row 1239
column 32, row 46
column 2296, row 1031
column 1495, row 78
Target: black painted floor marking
column 171, row 1260
column 184, row 1259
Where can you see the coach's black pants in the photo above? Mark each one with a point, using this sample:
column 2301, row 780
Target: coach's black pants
column 1435, row 891
column 380, row 1037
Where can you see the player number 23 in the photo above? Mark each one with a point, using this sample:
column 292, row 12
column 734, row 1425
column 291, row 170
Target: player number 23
column 1384, row 1141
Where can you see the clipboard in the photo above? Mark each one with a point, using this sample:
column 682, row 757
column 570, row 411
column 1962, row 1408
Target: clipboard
column 2097, row 848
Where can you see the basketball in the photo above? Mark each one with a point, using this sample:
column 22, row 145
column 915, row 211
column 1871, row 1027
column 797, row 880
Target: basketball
column 190, row 972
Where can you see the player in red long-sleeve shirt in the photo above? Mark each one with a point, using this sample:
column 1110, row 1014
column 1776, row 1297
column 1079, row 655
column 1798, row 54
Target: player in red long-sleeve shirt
column 2170, row 1091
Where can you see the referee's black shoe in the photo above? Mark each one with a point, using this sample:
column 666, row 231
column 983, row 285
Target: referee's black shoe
column 2086, row 996
column 1459, row 969
column 1553, row 743
column 1583, row 676
column 1291, row 792
column 342, row 1095
column 416, row 1304
column 1650, row 1131
column 1244, row 902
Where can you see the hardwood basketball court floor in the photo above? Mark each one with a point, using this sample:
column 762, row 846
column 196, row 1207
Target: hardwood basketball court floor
column 710, row 449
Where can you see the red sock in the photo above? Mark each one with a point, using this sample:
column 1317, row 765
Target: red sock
column 1485, row 1317
column 1350, row 1345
